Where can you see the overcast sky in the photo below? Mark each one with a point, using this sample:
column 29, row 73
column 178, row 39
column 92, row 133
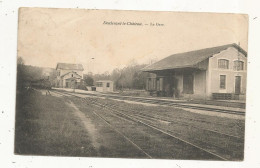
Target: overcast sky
column 48, row 36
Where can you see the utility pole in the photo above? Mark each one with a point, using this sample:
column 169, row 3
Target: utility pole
column 93, row 65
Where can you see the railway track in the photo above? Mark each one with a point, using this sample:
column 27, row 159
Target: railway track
column 124, row 136
column 167, row 120
column 148, row 123
column 167, row 103
column 139, row 117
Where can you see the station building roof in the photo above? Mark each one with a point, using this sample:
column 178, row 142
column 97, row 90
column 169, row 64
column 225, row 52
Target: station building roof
column 68, row 66
column 189, row 59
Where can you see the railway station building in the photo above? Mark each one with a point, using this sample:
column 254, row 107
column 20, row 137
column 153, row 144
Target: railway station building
column 69, row 75
column 211, row 73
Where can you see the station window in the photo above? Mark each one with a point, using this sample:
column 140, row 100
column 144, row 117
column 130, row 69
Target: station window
column 222, row 82
column 108, row 84
column 238, row 65
column 223, row 64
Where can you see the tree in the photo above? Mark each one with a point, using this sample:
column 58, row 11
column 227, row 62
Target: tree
column 20, row 61
column 20, row 73
column 139, row 80
column 130, row 77
column 89, row 80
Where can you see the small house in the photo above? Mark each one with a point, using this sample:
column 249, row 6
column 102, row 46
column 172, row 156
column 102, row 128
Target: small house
column 211, row 73
column 69, row 75
column 104, row 86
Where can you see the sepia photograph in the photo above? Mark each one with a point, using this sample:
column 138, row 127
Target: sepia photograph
column 131, row 84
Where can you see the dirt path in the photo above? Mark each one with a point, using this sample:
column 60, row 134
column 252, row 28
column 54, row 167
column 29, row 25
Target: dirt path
column 89, row 126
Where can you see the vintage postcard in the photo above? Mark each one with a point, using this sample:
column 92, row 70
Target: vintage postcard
column 131, row 84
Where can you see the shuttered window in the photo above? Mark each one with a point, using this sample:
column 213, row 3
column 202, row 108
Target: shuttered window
column 222, row 81
column 223, row 64
column 238, row 65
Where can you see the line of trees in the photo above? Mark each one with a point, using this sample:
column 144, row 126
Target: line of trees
column 27, row 74
column 130, row 77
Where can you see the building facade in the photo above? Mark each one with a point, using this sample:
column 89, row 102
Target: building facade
column 211, row 73
column 69, row 75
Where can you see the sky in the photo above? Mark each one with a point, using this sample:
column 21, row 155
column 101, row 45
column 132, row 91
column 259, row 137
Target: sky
column 47, row 36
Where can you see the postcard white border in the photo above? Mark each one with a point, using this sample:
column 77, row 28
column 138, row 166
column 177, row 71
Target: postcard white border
column 9, row 16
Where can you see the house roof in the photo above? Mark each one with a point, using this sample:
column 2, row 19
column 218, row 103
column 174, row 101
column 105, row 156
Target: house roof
column 189, row 59
column 69, row 66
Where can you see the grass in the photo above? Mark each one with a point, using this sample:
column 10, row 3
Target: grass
column 45, row 125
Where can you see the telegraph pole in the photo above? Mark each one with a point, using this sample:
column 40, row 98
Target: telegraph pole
column 93, row 63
